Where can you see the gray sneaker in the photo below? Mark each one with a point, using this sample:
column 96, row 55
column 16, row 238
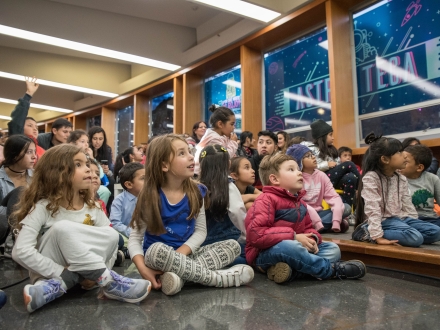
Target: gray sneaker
column 235, row 276
column 126, row 289
column 171, row 283
column 41, row 293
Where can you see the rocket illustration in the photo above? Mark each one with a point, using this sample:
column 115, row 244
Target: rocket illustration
column 412, row 10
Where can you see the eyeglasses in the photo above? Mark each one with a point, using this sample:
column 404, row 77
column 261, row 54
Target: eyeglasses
column 309, row 155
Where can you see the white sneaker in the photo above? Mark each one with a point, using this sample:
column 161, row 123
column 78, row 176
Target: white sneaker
column 171, row 283
column 235, row 276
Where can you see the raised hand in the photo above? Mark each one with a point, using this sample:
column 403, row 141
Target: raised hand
column 31, row 85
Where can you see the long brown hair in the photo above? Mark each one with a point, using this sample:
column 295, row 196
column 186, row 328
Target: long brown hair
column 147, row 211
column 52, row 180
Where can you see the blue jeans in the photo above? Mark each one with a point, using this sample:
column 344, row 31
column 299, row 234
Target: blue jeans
column 433, row 221
column 299, row 259
column 327, row 216
column 410, row 232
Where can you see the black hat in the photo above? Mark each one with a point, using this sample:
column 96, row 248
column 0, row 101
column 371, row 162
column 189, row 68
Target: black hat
column 320, row 128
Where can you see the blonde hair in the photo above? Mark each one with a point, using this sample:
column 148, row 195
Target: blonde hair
column 147, row 211
column 52, row 180
column 271, row 165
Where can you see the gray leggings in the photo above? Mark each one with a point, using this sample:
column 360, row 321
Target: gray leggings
column 197, row 267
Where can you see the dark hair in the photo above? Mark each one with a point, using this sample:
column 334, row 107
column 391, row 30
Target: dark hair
column 244, row 135
column 128, row 171
column 119, row 164
column 421, row 154
column 286, row 139
column 30, row 118
column 269, row 134
column 344, row 149
column 408, row 141
column 76, row 135
column 195, row 127
column 15, row 149
column 324, row 149
column 219, row 114
column 235, row 164
column 101, row 153
column 379, row 146
column 296, row 140
column 61, row 122
column 214, row 170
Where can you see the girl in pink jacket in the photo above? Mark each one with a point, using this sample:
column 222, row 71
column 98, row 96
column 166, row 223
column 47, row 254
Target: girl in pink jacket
column 319, row 187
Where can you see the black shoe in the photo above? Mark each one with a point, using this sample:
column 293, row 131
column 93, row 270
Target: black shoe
column 361, row 233
column 126, row 253
column 351, row 269
column 344, row 226
column 120, row 258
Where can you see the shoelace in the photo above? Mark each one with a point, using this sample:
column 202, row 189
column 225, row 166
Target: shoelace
column 338, row 267
column 52, row 290
column 121, row 279
column 229, row 279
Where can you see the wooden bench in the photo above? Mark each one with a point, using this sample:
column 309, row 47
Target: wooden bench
column 411, row 260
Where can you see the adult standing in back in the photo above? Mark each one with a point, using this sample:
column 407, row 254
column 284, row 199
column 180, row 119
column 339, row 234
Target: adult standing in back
column 101, row 150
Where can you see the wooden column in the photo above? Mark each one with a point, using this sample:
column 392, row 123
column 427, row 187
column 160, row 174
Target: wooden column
column 108, row 123
column 192, row 101
column 341, row 75
column 80, row 122
column 141, row 128
column 251, row 90
column 178, row 106
column 48, row 127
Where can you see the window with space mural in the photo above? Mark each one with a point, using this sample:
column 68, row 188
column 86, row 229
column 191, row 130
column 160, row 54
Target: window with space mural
column 297, row 83
column 397, row 47
column 224, row 89
column 124, row 129
column 162, row 114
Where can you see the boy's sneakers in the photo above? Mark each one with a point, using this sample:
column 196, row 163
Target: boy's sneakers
column 120, row 258
column 235, row 276
column 3, row 298
column 171, row 283
column 361, row 233
column 351, row 269
column 41, row 293
column 279, row 273
column 126, row 289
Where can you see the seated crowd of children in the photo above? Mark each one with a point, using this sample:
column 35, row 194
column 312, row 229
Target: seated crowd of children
column 212, row 218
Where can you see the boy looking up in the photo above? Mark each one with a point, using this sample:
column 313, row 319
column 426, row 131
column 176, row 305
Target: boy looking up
column 280, row 238
column 424, row 186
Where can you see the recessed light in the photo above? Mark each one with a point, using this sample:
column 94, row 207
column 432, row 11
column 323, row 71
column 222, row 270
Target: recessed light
column 38, row 106
column 80, row 47
column 243, row 8
column 59, row 85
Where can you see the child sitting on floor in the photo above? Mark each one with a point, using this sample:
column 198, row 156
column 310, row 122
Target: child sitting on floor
column 345, row 155
column 280, row 238
column 318, row 188
column 385, row 212
column 65, row 238
column 244, row 177
column 424, row 187
column 170, row 220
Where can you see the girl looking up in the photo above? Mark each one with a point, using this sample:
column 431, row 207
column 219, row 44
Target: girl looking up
column 222, row 122
column 343, row 176
column 385, row 211
column 226, row 211
column 244, row 177
column 170, row 219
column 65, row 238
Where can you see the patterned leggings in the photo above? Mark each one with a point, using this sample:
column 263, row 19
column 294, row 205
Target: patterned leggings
column 345, row 176
column 197, row 267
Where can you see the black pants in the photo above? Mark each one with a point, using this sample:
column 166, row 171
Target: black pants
column 345, row 176
column 10, row 201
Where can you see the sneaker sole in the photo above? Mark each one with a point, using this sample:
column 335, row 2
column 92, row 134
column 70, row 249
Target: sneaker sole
column 279, row 273
column 27, row 298
column 170, row 285
column 129, row 300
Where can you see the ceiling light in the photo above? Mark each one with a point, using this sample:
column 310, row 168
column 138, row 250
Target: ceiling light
column 59, row 85
column 38, row 106
column 170, row 106
column 243, row 8
column 32, row 36
column 5, row 117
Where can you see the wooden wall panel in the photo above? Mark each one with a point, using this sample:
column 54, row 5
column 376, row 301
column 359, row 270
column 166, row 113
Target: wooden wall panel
column 48, row 127
column 251, row 90
column 141, row 128
column 79, row 122
column 108, row 123
column 178, row 106
column 192, row 101
column 341, row 76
